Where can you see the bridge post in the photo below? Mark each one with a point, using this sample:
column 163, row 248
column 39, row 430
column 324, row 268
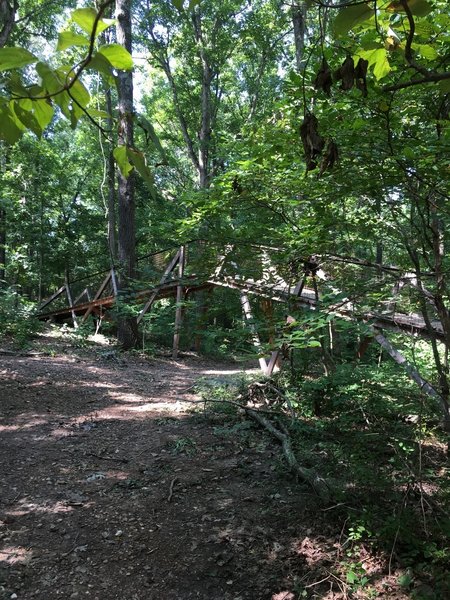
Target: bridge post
column 179, row 309
column 247, row 312
column 70, row 301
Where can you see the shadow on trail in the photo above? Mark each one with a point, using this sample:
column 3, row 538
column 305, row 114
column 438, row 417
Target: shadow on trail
column 116, row 488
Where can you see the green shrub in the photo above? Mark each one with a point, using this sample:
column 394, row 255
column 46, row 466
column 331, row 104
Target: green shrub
column 16, row 318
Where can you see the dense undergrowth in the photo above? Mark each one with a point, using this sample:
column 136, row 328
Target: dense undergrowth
column 377, row 441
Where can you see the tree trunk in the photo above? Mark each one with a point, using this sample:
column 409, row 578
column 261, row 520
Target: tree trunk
column 204, row 135
column 299, row 23
column 7, row 18
column 111, row 187
column 126, row 326
column 2, row 245
column 108, row 37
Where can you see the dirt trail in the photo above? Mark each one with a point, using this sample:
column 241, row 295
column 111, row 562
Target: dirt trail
column 113, row 487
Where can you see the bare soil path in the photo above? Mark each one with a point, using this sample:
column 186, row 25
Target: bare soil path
column 113, row 487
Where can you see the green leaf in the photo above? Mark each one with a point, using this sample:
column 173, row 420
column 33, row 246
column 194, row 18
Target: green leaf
column 43, row 111
column 193, row 4
column 419, row 8
column 178, row 4
column 15, row 58
column 444, row 86
column 23, row 110
column 408, row 152
column 53, row 82
column 85, row 18
column 378, row 60
column 100, row 114
column 350, row 16
column 50, row 80
column 67, row 39
column 11, row 130
column 117, row 56
column 101, row 64
column 382, row 66
column 352, row 577
column 77, row 90
column 405, row 580
column 138, row 160
column 15, row 84
column 151, row 133
column 426, row 51
column 120, row 154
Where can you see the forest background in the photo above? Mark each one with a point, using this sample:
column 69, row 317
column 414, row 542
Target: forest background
column 317, row 128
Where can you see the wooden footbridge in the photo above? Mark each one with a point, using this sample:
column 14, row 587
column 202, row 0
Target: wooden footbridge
column 253, row 271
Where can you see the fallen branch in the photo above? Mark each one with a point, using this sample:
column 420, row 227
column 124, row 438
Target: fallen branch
column 318, row 483
column 236, row 404
column 172, row 483
column 279, row 393
column 26, row 354
column 113, row 458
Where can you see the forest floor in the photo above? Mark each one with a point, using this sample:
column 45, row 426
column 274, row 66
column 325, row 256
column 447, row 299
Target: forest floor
column 115, row 485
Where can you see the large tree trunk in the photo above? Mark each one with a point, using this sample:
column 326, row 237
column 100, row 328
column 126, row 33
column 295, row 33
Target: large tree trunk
column 299, row 23
column 204, row 136
column 2, row 245
column 108, row 37
column 126, row 326
column 111, row 175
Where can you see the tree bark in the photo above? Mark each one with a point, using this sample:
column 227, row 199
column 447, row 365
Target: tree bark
column 126, row 326
column 7, row 19
column 2, row 245
column 299, row 23
column 205, row 127
column 111, row 174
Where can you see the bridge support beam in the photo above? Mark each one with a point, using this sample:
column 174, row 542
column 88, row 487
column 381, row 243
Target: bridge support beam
column 247, row 312
column 179, row 309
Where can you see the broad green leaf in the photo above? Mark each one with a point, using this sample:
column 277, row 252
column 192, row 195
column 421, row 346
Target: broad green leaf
column 151, row 133
column 419, row 8
column 15, row 58
column 121, row 156
column 408, row 152
column 178, row 4
column 67, row 39
column 99, row 114
column 381, row 65
column 426, row 51
column 16, row 85
column 85, row 18
column 101, row 64
column 50, row 80
column 423, row 28
column 444, row 86
column 43, row 111
column 24, row 112
column 54, row 82
column 117, row 56
column 378, row 60
column 11, row 130
column 138, row 160
column 77, row 90
column 193, row 4
column 350, row 16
